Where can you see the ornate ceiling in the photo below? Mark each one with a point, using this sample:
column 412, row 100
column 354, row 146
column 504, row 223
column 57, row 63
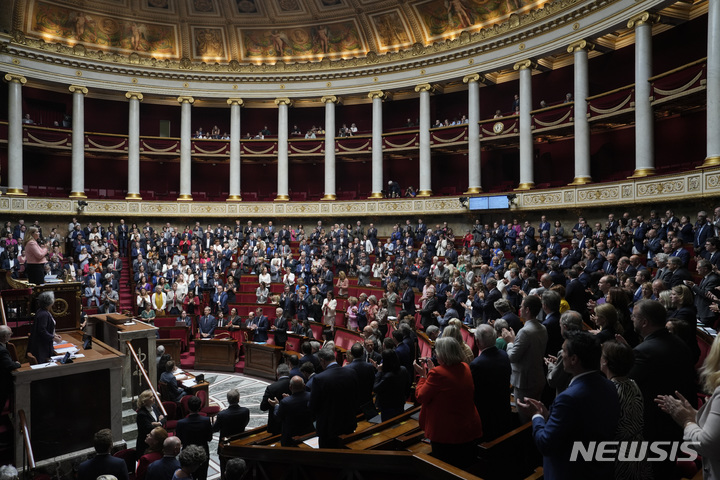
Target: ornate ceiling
column 260, row 31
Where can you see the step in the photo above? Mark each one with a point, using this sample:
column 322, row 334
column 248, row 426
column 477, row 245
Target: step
column 129, row 417
column 130, row 433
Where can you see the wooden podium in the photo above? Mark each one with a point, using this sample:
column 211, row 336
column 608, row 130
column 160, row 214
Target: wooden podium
column 262, row 359
column 141, row 336
column 66, row 404
column 216, row 354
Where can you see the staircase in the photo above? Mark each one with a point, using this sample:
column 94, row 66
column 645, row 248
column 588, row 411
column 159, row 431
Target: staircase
column 127, row 297
column 129, row 423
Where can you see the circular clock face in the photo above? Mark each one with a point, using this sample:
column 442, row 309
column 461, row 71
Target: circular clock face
column 498, row 127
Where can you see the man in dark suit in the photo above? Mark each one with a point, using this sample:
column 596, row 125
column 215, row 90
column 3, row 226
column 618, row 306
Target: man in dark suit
column 206, row 325
column 334, row 400
column 196, row 430
column 505, row 310
column 230, row 421
column 710, row 281
column 259, row 325
column 408, row 298
column 703, row 231
column 556, row 430
column 662, row 366
column 575, row 293
column 488, row 300
column 7, row 365
column 679, row 251
column 103, row 463
column 276, row 390
column 293, row 412
column 164, row 468
column 365, row 373
column 431, row 305
column 551, row 307
column 491, row 376
column 711, row 252
column 679, row 273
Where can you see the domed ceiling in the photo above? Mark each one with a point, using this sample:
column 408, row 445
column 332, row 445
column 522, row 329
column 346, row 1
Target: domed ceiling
column 258, row 31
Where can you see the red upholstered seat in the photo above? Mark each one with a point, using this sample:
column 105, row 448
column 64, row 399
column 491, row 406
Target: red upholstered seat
column 207, row 409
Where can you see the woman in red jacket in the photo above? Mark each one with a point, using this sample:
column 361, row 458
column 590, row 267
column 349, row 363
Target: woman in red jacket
column 448, row 415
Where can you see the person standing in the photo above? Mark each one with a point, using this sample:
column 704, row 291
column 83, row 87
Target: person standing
column 448, row 415
column 35, row 256
column 555, row 431
column 526, row 352
column 43, row 329
column 230, row 421
column 196, row 430
column 293, row 412
column 334, row 400
column 103, row 463
column 164, row 468
column 7, row 365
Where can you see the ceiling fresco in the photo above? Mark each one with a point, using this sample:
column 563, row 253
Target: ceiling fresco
column 258, row 31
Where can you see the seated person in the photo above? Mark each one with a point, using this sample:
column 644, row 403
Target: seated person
column 174, row 391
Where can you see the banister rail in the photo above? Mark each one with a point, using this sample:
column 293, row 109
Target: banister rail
column 158, row 401
column 26, row 440
column 2, row 309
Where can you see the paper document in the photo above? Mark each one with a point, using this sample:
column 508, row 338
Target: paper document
column 43, row 365
column 313, row 442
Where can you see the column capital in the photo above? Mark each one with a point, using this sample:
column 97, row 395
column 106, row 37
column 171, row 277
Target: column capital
column 580, row 45
column 14, row 78
column 134, row 96
column 377, row 94
column 525, row 64
column 473, row 77
column 235, row 101
column 424, row 87
column 644, row 18
column 189, row 100
column 283, row 101
column 78, row 89
column 330, row 99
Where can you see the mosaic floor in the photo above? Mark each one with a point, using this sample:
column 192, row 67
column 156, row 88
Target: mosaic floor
column 251, row 392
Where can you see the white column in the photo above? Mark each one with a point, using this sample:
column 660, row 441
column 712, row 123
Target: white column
column 15, row 137
column 474, row 185
column 235, row 104
column 77, row 190
column 644, row 121
column 713, row 86
column 330, row 171
column 185, row 148
column 282, row 174
column 527, row 176
column 377, row 143
column 134, row 145
column 425, row 186
column 580, row 119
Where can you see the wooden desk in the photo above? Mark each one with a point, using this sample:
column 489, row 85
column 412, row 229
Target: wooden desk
column 216, row 354
column 66, row 404
column 173, row 347
column 261, row 359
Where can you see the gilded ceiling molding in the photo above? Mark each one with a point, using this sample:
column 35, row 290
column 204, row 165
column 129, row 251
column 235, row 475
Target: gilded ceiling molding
column 517, row 28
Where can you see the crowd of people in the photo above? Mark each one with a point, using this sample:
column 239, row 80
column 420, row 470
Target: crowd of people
column 527, row 289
